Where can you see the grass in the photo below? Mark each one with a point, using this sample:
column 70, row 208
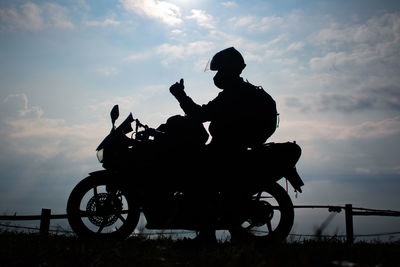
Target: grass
column 19, row 249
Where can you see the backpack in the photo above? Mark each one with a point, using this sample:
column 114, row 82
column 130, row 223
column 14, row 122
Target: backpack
column 264, row 124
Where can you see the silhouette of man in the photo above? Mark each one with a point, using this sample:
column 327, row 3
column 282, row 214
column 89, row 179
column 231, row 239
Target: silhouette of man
column 239, row 103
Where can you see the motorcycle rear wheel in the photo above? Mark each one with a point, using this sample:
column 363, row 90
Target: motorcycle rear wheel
column 271, row 219
column 99, row 209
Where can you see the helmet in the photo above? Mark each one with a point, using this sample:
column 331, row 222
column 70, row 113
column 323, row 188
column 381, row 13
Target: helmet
column 228, row 59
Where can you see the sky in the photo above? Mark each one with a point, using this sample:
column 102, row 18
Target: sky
column 332, row 67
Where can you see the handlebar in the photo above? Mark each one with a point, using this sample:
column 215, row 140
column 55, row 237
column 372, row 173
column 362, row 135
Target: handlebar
column 139, row 124
column 146, row 133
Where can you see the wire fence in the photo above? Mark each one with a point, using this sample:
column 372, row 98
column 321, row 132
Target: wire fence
column 58, row 231
column 350, row 212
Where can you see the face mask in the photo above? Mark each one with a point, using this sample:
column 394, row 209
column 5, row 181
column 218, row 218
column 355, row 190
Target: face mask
column 218, row 81
column 223, row 80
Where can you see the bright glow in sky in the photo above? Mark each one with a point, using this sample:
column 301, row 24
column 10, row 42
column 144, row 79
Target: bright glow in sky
column 332, row 66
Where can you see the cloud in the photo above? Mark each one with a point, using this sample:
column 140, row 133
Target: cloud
column 243, row 21
column 325, row 102
column 379, row 98
column 353, row 68
column 26, row 129
column 27, row 17
column 203, row 19
column 138, row 56
column 32, row 17
column 171, row 52
column 166, row 12
column 296, row 46
column 182, row 52
column 58, row 16
column 229, row 4
column 17, row 105
column 315, row 130
column 377, row 29
column 343, row 102
column 107, row 71
column 104, row 23
column 199, row 48
column 257, row 24
column 356, row 59
column 371, row 45
column 177, row 32
column 377, row 129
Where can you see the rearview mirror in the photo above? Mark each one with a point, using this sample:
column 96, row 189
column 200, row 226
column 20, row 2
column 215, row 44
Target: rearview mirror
column 114, row 114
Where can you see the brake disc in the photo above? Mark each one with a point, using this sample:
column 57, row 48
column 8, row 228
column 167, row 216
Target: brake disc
column 101, row 210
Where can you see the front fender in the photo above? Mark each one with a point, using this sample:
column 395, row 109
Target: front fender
column 101, row 173
column 114, row 177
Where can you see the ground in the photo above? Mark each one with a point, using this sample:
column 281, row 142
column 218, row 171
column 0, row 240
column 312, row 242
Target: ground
column 18, row 249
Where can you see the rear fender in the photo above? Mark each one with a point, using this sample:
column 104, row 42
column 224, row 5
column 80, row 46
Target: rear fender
column 294, row 179
column 285, row 156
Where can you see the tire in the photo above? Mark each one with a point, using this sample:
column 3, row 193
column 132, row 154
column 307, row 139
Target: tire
column 96, row 211
column 270, row 219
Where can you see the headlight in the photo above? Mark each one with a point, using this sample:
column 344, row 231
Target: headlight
column 99, row 155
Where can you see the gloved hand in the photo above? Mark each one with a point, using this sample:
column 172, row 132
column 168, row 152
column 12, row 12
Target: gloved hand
column 177, row 89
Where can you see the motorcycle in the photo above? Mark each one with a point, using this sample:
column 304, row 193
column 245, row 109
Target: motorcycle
column 138, row 177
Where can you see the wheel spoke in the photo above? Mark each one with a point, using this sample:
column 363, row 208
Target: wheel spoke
column 96, row 197
column 100, row 229
column 121, row 218
column 95, row 191
column 103, row 224
column 269, row 226
column 84, row 213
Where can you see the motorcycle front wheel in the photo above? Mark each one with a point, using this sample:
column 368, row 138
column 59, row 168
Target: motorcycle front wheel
column 98, row 209
column 270, row 217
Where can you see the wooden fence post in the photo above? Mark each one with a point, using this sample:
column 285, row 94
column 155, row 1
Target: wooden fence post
column 349, row 223
column 45, row 222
